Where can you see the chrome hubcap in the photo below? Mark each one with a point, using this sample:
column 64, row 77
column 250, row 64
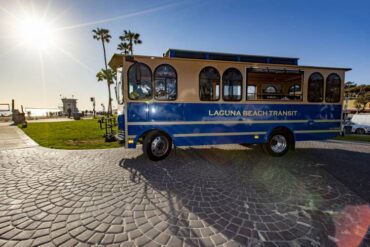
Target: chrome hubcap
column 159, row 146
column 278, row 143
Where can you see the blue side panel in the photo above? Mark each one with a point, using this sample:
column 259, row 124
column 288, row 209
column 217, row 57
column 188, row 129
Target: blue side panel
column 203, row 112
column 164, row 114
column 121, row 122
column 315, row 136
column 214, row 140
column 225, row 128
column 137, row 112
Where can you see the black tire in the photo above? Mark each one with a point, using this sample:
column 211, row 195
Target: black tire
column 163, row 146
column 360, row 131
column 278, row 144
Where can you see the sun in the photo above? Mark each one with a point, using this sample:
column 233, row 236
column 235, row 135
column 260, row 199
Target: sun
column 36, row 33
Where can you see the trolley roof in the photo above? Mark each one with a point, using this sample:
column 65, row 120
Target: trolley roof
column 116, row 60
column 205, row 55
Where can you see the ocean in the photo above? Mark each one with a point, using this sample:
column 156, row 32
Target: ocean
column 41, row 112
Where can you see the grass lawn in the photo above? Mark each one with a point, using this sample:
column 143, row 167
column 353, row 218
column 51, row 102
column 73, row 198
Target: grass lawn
column 86, row 134
column 363, row 138
column 82, row 134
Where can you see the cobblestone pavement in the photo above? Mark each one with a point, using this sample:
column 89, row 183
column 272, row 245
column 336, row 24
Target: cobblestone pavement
column 229, row 195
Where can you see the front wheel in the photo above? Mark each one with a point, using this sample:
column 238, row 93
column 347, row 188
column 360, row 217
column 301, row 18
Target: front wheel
column 278, row 144
column 157, row 145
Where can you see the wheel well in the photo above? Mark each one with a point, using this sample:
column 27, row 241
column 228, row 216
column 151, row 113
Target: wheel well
column 142, row 136
column 289, row 133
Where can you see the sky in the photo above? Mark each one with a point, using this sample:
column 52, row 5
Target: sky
column 38, row 73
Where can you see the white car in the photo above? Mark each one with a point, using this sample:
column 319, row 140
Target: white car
column 358, row 128
column 5, row 113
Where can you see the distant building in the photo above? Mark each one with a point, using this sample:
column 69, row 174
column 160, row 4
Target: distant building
column 71, row 104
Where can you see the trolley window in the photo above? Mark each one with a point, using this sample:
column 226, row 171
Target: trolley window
column 165, row 83
column 232, row 81
column 332, row 93
column 267, row 84
column 139, row 82
column 209, row 84
column 316, row 88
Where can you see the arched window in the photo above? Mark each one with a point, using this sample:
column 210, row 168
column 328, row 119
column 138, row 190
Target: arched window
column 209, row 84
column 232, row 81
column 139, row 82
column 316, row 87
column 333, row 84
column 165, row 82
column 270, row 89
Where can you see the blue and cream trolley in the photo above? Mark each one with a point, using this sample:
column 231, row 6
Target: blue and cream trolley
column 188, row 98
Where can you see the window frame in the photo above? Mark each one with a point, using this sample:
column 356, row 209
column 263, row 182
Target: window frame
column 322, row 86
column 128, row 81
column 340, row 87
column 241, row 86
column 219, row 76
column 177, row 82
column 249, row 69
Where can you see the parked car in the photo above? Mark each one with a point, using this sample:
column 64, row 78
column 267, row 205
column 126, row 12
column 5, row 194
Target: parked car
column 357, row 128
column 5, row 113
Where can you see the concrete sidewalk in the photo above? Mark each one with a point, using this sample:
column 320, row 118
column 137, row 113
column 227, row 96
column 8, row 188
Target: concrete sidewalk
column 11, row 137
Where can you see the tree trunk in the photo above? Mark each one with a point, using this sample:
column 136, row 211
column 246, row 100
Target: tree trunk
column 131, row 47
column 110, row 100
column 105, row 56
column 109, row 111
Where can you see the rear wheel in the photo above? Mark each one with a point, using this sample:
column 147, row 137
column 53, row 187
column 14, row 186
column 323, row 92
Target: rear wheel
column 278, row 144
column 157, row 145
column 360, row 131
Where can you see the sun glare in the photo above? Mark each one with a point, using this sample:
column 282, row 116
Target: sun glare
column 36, row 33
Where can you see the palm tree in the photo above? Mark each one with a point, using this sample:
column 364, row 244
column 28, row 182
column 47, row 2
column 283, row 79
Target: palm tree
column 108, row 75
column 103, row 35
column 131, row 38
column 124, row 47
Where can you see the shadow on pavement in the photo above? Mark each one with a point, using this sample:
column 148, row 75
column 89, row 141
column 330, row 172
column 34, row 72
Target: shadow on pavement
column 212, row 196
column 351, row 168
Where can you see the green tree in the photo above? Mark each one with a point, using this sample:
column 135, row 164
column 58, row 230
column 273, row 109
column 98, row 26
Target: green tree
column 123, row 47
column 103, row 35
column 130, row 39
column 349, row 84
column 108, row 75
column 362, row 100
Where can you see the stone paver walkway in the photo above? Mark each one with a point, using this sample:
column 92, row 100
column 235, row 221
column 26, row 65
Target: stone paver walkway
column 11, row 137
column 227, row 196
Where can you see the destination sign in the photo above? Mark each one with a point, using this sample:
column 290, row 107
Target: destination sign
column 251, row 113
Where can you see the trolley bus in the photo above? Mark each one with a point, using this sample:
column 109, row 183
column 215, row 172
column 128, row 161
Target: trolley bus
column 188, row 98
